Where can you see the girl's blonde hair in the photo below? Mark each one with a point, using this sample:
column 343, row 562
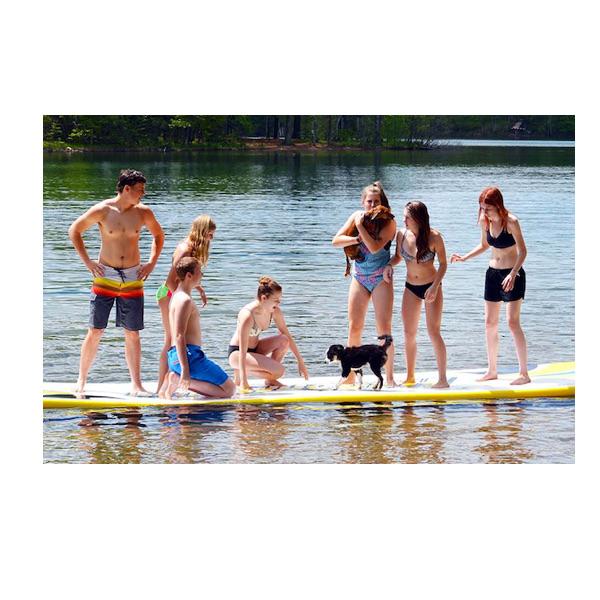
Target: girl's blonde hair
column 199, row 243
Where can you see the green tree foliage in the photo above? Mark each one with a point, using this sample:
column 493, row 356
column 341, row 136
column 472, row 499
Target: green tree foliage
column 364, row 131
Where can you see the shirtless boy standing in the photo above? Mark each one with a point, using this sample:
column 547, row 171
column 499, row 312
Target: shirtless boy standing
column 118, row 274
column 189, row 368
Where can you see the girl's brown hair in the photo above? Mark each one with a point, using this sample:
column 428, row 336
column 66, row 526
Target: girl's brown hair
column 375, row 188
column 419, row 213
column 267, row 287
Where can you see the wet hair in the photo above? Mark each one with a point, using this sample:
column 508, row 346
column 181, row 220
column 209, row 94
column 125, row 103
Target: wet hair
column 418, row 212
column 375, row 188
column 493, row 197
column 129, row 177
column 186, row 265
column 199, row 244
column 267, row 287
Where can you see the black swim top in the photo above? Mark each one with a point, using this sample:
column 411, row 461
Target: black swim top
column 504, row 240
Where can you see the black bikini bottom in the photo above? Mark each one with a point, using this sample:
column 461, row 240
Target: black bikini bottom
column 234, row 348
column 418, row 290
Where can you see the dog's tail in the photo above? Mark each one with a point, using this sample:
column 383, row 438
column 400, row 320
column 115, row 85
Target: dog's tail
column 388, row 340
column 347, row 267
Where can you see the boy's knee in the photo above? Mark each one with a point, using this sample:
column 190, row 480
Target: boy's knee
column 132, row 334
column 229, row 388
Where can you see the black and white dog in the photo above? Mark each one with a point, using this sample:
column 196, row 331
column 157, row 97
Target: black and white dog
column 353, row 358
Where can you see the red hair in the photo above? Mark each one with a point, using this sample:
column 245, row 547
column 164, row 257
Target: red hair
column 493, row 197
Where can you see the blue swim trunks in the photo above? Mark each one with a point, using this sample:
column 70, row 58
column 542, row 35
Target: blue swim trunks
column 201, row 368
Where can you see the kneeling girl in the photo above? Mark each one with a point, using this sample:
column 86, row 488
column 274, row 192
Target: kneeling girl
column 262, row 357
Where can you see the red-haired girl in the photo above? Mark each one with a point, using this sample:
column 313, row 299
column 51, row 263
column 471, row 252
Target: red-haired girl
column 505, row 277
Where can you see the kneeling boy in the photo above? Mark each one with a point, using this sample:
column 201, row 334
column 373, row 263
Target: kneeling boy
column 186, row 358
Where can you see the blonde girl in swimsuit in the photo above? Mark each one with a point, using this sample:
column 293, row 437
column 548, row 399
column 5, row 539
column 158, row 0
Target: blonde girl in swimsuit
column 197, row 245
column 262, row 357
column 367, row 280
column 418, row 244
column 504, row 279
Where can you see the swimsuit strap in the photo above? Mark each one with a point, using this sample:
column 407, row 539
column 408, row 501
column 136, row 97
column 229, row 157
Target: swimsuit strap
column 429, row 255
column 255, row 330
column 404, row 252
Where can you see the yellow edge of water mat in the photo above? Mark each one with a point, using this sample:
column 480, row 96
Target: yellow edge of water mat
column 447, row 397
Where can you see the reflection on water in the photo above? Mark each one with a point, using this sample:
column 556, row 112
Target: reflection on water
column 528, row 431
column 260, row 434
column 423, row 435
column 503, row 435
column 125, row 447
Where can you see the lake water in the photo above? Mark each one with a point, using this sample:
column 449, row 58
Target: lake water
column 276, row 214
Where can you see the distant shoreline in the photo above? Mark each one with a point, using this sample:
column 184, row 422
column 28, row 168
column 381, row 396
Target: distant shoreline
column 271, row 146
column 262, row 145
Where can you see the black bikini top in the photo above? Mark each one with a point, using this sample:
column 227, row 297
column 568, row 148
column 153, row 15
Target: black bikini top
column 504, row 240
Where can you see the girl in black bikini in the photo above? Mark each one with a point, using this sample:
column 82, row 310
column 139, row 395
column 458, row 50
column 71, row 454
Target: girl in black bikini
column 418, row 244
column 262, row 357
column 504, row 279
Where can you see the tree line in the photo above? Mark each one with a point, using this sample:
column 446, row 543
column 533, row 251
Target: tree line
column 360, row 131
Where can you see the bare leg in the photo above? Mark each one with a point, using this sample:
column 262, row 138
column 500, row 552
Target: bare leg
column 163, row 366
column 383, row 305
column 411, row 313
column 358, row 301
column 492, row 312
column 209, row 390
column 513, row 316
column 277, row 346
column 89, row 348
column 259, row 365
column 172, row 380
column 133, row 355
column 433, row 316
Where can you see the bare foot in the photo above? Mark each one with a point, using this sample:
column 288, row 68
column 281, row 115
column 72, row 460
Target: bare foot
column 79, row 389
column 442, row 383
column 521, row 380
column 350, row 380
column 390, row 384
column 236, row 377
column 140, row 392
column 274, row 384
column 173, row 381
column 488, row 376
